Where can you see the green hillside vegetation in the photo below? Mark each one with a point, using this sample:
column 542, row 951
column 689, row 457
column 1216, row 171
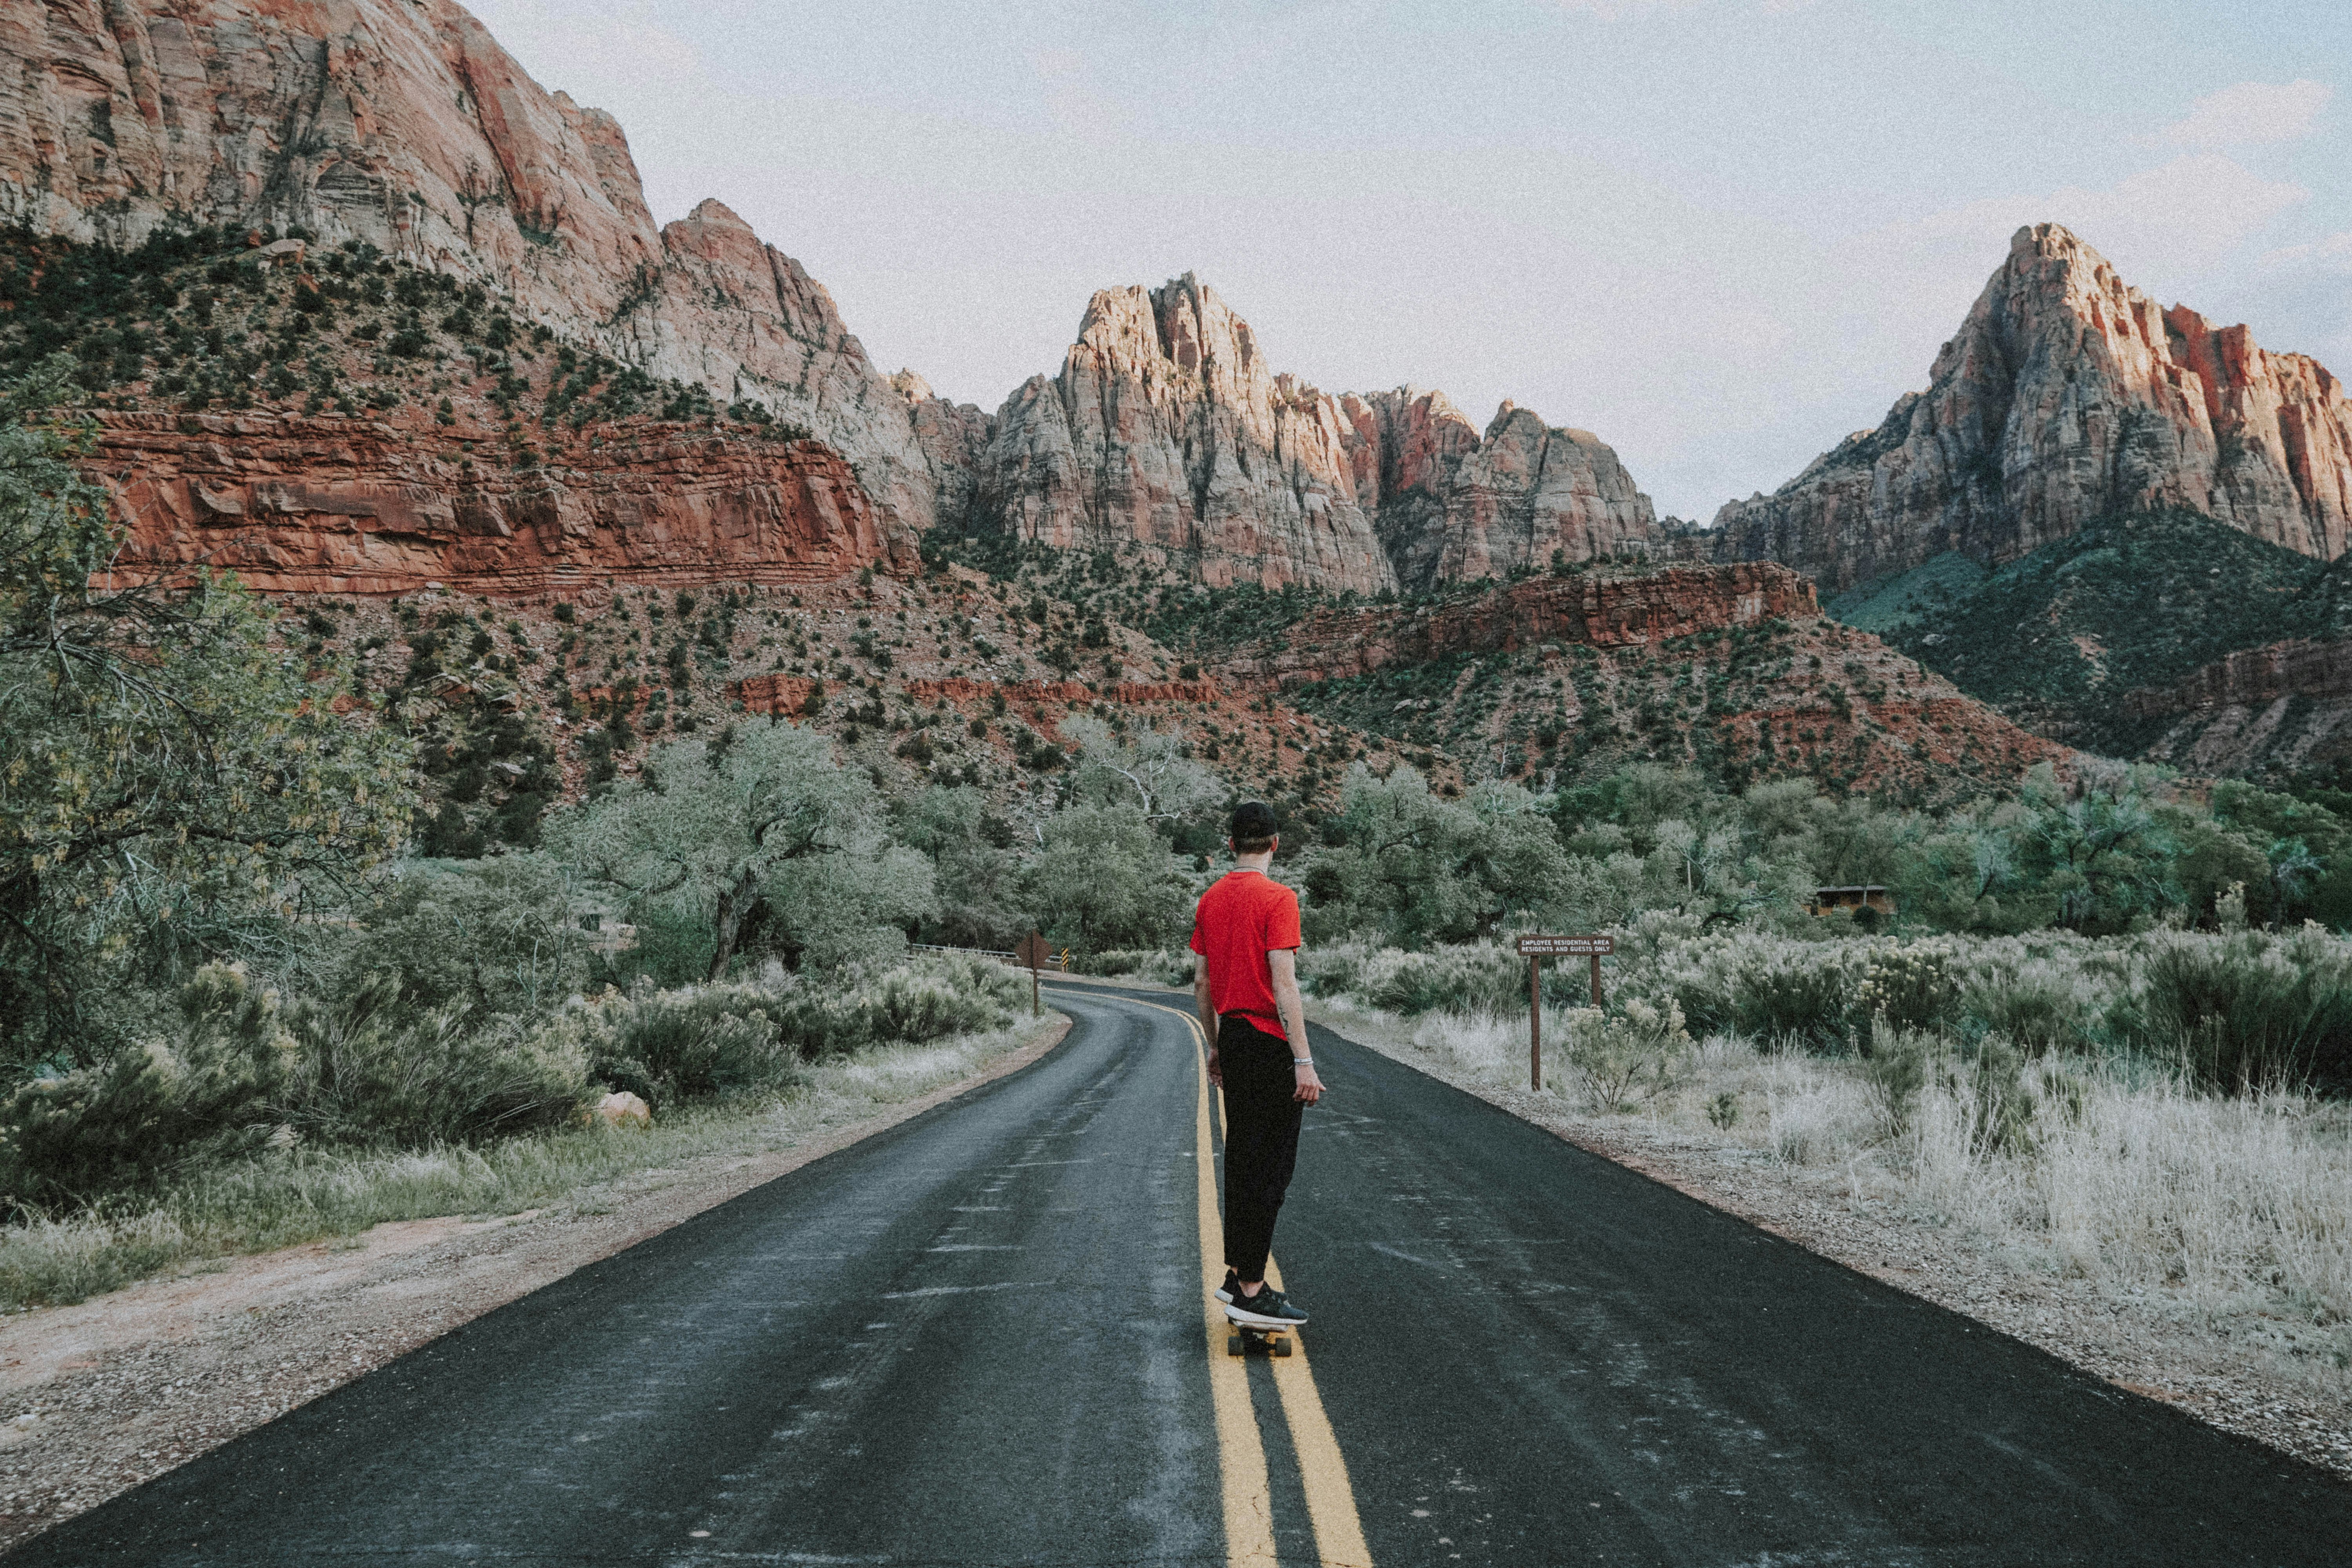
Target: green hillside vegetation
column 1893, row 603
column 2140, row 600
column 191, row 319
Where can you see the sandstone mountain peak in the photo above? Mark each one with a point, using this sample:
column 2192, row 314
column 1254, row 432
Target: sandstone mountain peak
column 1167, row 427
column 711, row 210
column 404, row 124
column 2067, row 395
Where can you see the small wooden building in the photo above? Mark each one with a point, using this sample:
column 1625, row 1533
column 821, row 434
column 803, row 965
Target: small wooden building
column 1846, row 900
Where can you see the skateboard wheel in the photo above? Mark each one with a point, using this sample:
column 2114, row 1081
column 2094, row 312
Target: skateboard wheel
column 1282, row 1347
column 1232, row 1345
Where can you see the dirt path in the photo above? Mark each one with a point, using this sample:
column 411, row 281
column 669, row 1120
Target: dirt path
column 98, row 1397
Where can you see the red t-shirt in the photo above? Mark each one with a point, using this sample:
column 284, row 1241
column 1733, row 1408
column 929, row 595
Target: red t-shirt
column 1244, row 916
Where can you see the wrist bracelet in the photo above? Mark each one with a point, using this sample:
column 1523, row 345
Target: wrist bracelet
column 1302, row 1061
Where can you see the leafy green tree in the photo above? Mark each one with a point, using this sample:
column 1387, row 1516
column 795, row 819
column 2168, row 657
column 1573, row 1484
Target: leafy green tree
column 2320, row 890
column 2101, row 851
column 170, row 790
column 2209, row 858
column 767, row 839
column 1421, row 868
column 980, row 902
column 1149, row 770
column 1104, row 879
column 492, row 937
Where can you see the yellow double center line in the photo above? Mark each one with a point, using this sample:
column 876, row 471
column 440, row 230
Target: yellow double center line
column 1323, row 1473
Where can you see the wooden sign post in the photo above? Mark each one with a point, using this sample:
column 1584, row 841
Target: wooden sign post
column 1535, row 950
column 1033, row 950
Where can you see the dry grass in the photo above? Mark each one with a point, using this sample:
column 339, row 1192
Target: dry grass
column 303, row 1197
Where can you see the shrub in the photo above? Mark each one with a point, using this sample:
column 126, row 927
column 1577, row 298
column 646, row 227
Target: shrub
column 248, row 1071
column 2037, row 1009
column 1807, row 1001
column 1626, row 1058
column 916, row 1004
column 1469, row 978
column 1334, row 969
column 1908, row 987
column 2246, row 1011
column 371, row 1070
column 1772, row 990
column 724, row 1041
column 1895, row 1069
column 131, row 1121
column 1988, row 1086
column 1168, row 966
column 703, row 1042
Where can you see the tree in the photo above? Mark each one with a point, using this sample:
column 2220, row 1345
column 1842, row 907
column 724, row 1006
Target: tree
column 767, row 837
column 1150, row 772
column 979, row 875
column 170, row 789
column 1103, row 880
column 2102, row 853
column 1428, row 869
column 493, row 936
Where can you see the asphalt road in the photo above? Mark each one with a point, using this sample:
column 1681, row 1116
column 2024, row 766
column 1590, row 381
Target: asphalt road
column 981, row 1338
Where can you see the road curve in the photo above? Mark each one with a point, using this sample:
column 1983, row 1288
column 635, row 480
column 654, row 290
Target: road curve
column 980, row 1337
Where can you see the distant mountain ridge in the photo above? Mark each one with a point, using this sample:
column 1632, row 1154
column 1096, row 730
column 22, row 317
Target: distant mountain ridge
column 1166, row 427
column 404, row 123
column 2066, row 396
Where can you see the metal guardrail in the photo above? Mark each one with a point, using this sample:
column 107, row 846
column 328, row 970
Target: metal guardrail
column 1010, row 960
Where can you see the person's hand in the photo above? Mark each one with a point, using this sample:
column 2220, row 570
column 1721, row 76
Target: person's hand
column 1310, row 1088
column 1216, row 1070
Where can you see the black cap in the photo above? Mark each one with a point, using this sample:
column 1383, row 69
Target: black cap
column 1251, row 820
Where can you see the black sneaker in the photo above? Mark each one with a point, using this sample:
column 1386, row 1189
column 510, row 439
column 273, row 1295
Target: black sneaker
column 1269, row 1309
column 1231, row 1288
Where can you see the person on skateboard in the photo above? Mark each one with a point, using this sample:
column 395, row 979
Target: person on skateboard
column 1245, row 984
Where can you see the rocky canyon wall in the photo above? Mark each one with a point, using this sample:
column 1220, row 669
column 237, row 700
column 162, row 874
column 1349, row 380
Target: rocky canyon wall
column 2066, row 395
column 1166, row 427
column 1452, row 505
column 1601, row 611
column 404, row 124
column 2286, row 705
column 344, row 506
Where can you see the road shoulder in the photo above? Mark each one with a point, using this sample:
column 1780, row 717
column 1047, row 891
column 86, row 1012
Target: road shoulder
column 100, row 1396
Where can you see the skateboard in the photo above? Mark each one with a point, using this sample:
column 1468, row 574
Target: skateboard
column 1255, row 1337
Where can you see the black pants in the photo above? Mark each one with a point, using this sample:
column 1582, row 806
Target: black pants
column 1261, row 1139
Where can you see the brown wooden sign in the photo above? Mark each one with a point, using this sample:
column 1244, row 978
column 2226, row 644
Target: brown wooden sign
column 1033, row 952
column 1566, row 946
column 1535, row 950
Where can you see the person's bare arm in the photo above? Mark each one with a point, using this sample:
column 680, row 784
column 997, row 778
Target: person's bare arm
column 1283, row 963
column 1208, row 1011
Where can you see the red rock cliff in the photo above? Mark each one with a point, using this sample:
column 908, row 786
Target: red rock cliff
column 1606, row 611
column 2066, row 395
column 2252, row 677
column 351, row 505
column 404, row 124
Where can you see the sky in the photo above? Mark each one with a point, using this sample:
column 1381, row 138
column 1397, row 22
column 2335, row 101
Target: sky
column 1719, row 234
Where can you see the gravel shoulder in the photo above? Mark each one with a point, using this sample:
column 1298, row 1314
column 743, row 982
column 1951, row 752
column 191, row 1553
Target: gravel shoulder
column 2133, row 1340
column 98, row 1397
